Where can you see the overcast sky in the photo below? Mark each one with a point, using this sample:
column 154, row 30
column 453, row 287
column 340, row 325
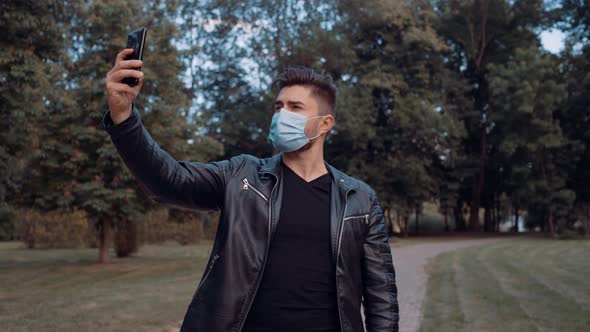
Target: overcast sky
column 552, row 40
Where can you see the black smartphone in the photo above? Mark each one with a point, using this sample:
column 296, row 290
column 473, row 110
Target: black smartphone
column 136, row 41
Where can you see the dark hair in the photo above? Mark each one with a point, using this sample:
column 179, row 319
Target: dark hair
column 321, row 84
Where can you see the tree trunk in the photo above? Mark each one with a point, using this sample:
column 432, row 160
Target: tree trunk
column 587, row 222
column 417, row 220
column 459, row 220
column 398, row 216
column 104, row 237
column 550, row 222
column 125, row 238
column 446, row 215
column 487, row 220
column 478, row 185
column 405, row 218
column 406, row 225
column 497, row 216
column 516, row 219
column 387, row 213
column 493, row 213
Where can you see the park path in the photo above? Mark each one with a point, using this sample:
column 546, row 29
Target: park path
column 409, row 262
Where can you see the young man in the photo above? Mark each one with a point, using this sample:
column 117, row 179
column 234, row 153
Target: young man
column 299, row 245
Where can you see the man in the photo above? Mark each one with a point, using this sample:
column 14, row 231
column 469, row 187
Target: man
column 299, row 244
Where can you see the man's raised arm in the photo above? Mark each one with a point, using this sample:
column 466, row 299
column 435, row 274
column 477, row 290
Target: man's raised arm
column 186, row 184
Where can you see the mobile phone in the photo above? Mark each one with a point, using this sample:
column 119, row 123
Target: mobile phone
column 136, row 41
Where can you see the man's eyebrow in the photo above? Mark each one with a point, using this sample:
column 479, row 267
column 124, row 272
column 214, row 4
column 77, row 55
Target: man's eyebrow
column 290, row 102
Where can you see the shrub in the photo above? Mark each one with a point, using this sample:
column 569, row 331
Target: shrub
column 52, row 229
column 7, row 229
column 158, row 227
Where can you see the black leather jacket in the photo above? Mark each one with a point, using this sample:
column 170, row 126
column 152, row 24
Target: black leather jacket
column 248, row 192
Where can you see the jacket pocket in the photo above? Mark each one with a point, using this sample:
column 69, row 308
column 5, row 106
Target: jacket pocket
column 207, row 272
column 362, row 217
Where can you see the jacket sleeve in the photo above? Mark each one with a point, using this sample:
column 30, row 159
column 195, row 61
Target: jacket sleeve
column 185, row 184
column 379, row 286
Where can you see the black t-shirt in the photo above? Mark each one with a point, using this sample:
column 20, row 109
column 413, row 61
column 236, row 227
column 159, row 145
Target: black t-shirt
column 298, row 287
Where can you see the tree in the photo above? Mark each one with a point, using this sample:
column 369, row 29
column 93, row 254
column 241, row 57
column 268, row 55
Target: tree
column 85, row 170
column 483, row 32
column 399, row 135
column 573, row 17
column 531, row 149
column 31, row 45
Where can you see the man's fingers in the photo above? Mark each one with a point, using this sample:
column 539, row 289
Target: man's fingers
column 128, row 64
column 119, row 75
column 139, row 84
column 115, row 87
column 121, row 56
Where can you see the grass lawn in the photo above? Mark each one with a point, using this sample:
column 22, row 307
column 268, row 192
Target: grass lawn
column 64, row 290
column 529, row 284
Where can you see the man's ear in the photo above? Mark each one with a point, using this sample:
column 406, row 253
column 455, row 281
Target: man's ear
column 327, row 123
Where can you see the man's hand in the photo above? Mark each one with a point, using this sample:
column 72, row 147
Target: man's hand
column 121, row 95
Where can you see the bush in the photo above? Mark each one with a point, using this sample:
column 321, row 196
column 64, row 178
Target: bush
column 157, row 227
column 7, row 229
column 52, row 229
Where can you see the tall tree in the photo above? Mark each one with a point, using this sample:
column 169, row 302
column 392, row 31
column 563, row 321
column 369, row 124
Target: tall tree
column 85, row 170
column 30, row 48
column 530, row 148
column 573, row 17
column 402, row 130
column 482, row 32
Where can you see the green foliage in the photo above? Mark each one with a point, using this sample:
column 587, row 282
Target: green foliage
column 439, row 101
column 70, row 163
column 30, row 46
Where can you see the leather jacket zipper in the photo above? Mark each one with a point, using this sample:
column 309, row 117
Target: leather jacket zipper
column 364, row 216
column 207, row 273
column 251, row 300
column 247, row 186
column 337, row 258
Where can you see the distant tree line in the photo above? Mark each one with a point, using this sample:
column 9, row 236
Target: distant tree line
column 446, row 101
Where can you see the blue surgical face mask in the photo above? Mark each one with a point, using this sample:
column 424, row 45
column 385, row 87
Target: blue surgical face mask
column 287, row 130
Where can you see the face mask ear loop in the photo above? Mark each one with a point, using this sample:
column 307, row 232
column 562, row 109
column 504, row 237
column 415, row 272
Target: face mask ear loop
column 318, row 135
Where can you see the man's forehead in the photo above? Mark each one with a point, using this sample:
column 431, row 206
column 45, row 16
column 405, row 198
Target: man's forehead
column 296, row 93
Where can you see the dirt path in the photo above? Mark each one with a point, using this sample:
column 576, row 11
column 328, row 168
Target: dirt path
column 411, row 277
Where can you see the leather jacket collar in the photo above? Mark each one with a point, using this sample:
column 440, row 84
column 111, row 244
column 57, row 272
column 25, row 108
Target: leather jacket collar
column 341, row 187
column 272, row 165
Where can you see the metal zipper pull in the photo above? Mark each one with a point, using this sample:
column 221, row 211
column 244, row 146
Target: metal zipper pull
column 248, row 186
column 213, row 261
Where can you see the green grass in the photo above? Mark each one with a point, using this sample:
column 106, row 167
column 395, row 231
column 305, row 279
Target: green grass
column 525, row 284
column 64, row 290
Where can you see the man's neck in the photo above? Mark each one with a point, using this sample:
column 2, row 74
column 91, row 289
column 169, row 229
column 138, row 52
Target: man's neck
column 308, row 164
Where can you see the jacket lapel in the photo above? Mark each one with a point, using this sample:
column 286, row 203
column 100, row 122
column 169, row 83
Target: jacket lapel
column 339, row 189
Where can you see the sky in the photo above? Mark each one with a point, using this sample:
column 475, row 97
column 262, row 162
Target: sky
column 552, row 40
